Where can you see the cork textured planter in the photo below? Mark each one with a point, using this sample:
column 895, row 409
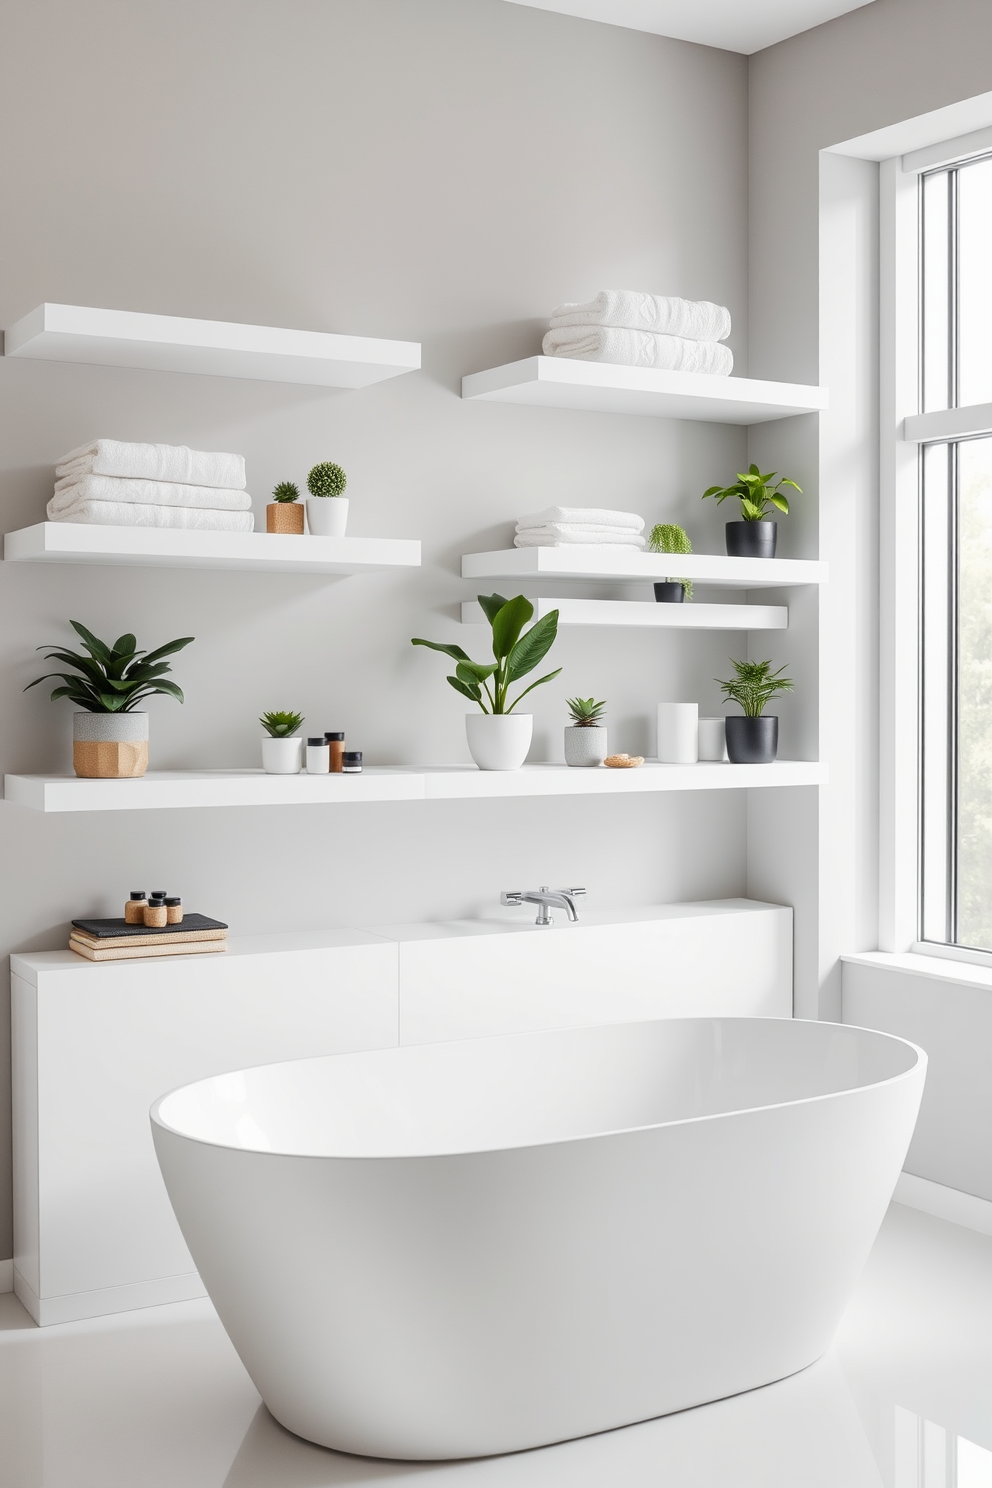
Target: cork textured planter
column 285, row 517
column 110, row 746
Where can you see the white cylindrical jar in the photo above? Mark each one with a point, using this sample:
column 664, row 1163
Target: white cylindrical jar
column 318, row 756
column 678, row 733
column 712, row 739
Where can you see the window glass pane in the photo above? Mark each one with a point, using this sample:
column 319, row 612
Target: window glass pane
column 937, row 692
column 935, row 292
column 974, row 784
column 974, row 283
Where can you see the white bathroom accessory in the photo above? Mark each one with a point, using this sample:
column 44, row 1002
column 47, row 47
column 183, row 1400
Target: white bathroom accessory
column 585, row 747
column 712, row 739
column 282, row 756
column 327, row 516
column 318, row 755
column 663, row 1214
column 678, row 733
column 499, row 741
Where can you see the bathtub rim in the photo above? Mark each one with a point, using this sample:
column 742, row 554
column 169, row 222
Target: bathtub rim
column 917, row 1068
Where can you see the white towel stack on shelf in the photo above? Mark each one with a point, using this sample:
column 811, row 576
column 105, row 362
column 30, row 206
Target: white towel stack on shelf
column 566, row 526
column 113, row 484
column 633, row 329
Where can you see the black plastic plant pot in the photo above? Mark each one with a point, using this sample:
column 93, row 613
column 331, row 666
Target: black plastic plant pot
column 752, row 741
column 669, row 592
column 751, row 539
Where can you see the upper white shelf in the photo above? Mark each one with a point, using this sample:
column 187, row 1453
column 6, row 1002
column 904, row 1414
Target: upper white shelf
column 579, row 561
column 217, row 348
column 175, row 790
column 259, row 552
column 649, row 616
column 598, row 387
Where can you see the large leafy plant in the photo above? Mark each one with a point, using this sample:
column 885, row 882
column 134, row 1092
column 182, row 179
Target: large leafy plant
column 111, row 679
column 755, row 493
column 516, row 651
column 755, row 685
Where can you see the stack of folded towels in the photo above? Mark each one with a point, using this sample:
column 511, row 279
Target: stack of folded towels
column 633, row 329
column 113, row 484
column 562, row 526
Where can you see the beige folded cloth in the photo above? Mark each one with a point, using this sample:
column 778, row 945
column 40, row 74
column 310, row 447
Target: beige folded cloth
column 581, row 516
column 69, row 493
column 639, row 349
column 134, row 514
column 558, row 535
column 665, row 315
column 159, row 462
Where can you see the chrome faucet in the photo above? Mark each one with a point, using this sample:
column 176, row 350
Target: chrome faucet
column 546, row 899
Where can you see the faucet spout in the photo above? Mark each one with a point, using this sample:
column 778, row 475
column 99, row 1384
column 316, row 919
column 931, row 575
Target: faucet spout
column 546, row 899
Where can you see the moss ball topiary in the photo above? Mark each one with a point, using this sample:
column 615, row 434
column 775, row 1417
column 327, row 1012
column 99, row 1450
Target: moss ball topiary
column 326, row 479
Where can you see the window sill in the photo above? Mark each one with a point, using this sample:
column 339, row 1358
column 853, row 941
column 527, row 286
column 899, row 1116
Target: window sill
column 937, row 968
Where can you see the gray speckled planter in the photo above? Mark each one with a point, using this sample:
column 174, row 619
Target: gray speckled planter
column 110, row 746
column 585, row 747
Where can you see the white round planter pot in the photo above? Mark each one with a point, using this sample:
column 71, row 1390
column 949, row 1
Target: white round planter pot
column 110, row 746
column 327, row 516
column 499, row 741
column 585, row 747
column 282, row 756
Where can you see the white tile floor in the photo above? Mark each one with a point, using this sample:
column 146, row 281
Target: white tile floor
column 158, row 1399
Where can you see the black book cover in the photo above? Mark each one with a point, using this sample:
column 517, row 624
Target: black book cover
column 114, row 929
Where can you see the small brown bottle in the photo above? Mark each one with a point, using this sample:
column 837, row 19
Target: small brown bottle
column 134, row 909
column 335, row 742
column 156, row 914
column 174, row 911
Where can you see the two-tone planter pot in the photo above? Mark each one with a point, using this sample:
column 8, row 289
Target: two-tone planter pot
column 110, row 746
column 499, row 741
column 585, row 745
column 752, row 741
column 751, row 539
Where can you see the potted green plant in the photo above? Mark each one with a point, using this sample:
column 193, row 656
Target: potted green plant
column 327, row 506
column 282, row 751
column 585, row 736
column 499, row 738
column 666, row 537
column 753, row 536
column 109, row 734
column 753, row 738
column 282, row 513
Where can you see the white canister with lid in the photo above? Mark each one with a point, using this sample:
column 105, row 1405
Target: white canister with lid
column 318, row 756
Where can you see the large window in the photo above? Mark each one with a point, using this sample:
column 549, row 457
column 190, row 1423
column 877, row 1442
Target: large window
column 956, row 531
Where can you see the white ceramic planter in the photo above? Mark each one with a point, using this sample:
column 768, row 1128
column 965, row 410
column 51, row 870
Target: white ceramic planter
column 110, row 746
column 712, row 739
column 499, row 741
column 585, row 747
column 678, row 733
column 327, row 516
column 282, row 756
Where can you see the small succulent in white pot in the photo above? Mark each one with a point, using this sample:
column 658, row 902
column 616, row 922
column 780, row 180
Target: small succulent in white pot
column 282, row 751
column 585, row 736
column 327, row 505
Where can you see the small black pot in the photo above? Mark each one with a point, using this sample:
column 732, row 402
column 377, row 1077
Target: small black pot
column 752, row 741
column 751, row 539
column 669, row 592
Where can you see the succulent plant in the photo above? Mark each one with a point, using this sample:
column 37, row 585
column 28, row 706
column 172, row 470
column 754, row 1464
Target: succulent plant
column 586, row 712
column 280, row 725
column 285, row 491
column 326, row 479
column 755, row 685
column 111, row 679
column 668, row 537
column 515, row 654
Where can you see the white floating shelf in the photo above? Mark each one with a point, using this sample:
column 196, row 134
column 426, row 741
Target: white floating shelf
column 649, row 615
column 170, row 791
column 581, row 561
column 153, row 547
column 216, row 348
column 598, row 387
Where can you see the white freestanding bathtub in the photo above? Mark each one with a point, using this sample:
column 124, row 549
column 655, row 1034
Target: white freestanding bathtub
column 459, row 1249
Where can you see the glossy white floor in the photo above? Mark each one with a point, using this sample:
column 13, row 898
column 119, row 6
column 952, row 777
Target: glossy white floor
column 158, row 1399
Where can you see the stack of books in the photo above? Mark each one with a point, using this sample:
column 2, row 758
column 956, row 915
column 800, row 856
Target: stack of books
column 116, row 940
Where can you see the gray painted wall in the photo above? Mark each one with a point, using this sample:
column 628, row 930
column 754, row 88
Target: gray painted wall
column 439, row 170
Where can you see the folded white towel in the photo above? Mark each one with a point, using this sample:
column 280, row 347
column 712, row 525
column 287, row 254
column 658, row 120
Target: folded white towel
column 665, row 315
column 580, row 516
column 557, row 535
column 69, row 493
column 639, row 349
column 133, row 514
column 161, row 462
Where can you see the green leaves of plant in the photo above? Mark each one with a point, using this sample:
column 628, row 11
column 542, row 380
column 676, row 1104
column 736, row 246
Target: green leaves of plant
column 533, row 647
column 755, row 493
column 111, row 678
column 516, row 653
column 281, row 725
column 755, row 685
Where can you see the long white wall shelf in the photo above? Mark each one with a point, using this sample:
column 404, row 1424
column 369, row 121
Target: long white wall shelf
column 216, row 348
column 261, row 552
column 167, row 790
column 649, row 616
column 579, row 561
column 598, row 387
